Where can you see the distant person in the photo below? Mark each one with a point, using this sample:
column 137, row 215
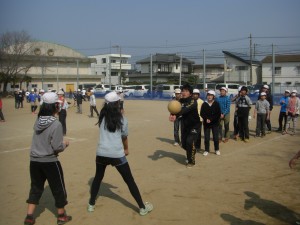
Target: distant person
column 235, row 118
column 83, row 92
column 1, row 112
column 112, row 150
column 20, row 99
column 224, row 102
column 32, row 99
column 261, row 111
column 293, row 108
column 121, row 95
column 284, row 100
column 93, row 105
column 62, row 114
column 42, row 92
column 16, row 95
column 243, row 106
column 210, row 113
column 269, row 98
column 196, row 96
column 47, row 143
column 79, row 98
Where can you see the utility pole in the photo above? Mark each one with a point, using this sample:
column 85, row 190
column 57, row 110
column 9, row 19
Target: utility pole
column 180, row 69
column 273, row 70
column 151, row 75
column 251, row 78
column 77, row 74
column 120, row 72
column 204, row 71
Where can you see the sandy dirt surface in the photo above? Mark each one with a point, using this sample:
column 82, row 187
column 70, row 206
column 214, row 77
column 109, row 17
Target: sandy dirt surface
column 250, row 183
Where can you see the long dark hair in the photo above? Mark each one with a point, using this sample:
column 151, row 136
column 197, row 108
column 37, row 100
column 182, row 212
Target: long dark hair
column 113, row 116
column 48, row 109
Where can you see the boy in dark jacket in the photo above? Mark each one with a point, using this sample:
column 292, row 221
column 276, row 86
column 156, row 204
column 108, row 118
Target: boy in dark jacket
column 190, row 123
column 210, row 113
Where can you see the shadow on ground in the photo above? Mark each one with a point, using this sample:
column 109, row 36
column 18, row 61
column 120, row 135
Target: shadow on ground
column 160, row 154
column 46, row 202
column 106, row 191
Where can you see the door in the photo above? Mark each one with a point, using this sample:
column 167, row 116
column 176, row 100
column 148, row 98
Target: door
column 69, row 87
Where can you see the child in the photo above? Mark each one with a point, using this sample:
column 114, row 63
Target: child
column 292, row 111
column 177, row 97
column 196, row 96
column 62, row 115
column 47, row 142
column 243, row 106
column 262, row 111
column 210, row 113
column 112, row 150
column 224, row 102
column 93, row 106
column 284, row 100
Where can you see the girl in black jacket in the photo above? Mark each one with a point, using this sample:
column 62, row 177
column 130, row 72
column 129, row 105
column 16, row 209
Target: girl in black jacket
column 211, row 112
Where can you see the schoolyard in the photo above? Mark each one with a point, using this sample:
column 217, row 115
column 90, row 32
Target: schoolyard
column 250, row 183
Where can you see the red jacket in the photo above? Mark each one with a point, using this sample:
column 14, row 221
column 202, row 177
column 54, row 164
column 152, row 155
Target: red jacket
column 0, row 103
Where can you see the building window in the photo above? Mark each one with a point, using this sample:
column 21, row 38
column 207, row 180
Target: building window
column 103, row 60
column 277, row 70
column 163, row 67
column 185, row 68
column 50, row 85
column 14, row 86
column 176, row 66
column 113, row 61
column 239, row 68
column 298, row 70
column 114, row 73
column 34, row 85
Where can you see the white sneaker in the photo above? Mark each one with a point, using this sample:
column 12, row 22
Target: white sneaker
column 205, row 153
column 90, row 208
column 148, row 208
column 218, row 152
column 176, row 144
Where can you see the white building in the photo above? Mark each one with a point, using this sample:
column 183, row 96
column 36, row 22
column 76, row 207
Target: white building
column 237, row 68
column 287, row 72
column 54, row 66
column 111, row 67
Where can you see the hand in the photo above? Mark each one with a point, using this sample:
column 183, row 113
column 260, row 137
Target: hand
column 208, row 121
column 126, row 151
column 66, row 142
column 172, row 118
column 222, row 116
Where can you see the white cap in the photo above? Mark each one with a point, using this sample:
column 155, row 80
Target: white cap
column 266, row 86
column 288, row 91
column 78, row 89
column 60, row 92
column 111, row 97
column 263, row 94
column 211, row 92
column 92, row 91
column 50, row 98
column 177, row 91
column 239, row 89
column 42, row 91
column 294, row 91
column 32, row 89
column 223, row 88
column 49, row 90
column 196, row 91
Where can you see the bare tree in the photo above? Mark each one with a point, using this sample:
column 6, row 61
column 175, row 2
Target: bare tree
column 14, row 46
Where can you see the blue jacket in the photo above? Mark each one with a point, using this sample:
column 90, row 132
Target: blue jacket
column 284, row 104
column 224, row 102
column 32, row 97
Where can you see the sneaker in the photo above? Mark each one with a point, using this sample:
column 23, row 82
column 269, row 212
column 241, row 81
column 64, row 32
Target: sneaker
column 176, row 144
column 90, row 208
column 189, row 165
column 148, row 208
column 246, row 140
column 205, row 153
column 62, row 219
column 218, row 152
column 29, row 220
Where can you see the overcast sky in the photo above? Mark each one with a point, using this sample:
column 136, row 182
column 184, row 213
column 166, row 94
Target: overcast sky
column 157, row 26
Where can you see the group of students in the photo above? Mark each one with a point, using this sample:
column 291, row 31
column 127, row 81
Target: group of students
column 48, row 142
column 214, row 113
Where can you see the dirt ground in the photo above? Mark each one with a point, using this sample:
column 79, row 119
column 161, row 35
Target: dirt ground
column 250, row 183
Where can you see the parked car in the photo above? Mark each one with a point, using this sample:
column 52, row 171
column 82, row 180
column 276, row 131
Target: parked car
column 128, row 90
column 208, row 86
column 141, row 90
column 166, row 90
column 232, row 88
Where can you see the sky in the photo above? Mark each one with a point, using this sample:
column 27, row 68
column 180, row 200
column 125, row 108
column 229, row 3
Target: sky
column 148, row 27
